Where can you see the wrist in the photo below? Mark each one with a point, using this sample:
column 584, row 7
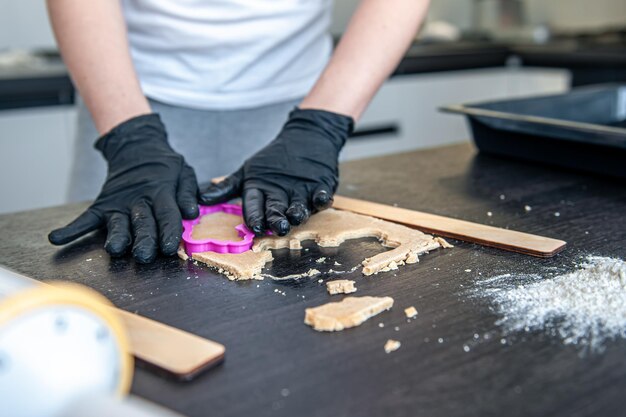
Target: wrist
column 106, row 117
column 336, row 127
column 145, row 128
column 330, row 104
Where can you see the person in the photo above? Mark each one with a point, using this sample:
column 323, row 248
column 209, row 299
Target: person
column 229, row 79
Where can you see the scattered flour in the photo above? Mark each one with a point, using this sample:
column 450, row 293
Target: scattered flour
column 585, row 307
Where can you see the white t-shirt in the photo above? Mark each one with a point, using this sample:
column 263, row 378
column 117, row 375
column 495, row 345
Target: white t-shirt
column 228, row 54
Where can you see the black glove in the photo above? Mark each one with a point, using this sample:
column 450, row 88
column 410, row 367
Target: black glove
column 294, row 175
column 148, row 186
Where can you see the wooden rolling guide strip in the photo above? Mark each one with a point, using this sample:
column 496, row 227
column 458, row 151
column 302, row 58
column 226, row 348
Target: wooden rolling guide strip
column 170, row 349
column 496, row 237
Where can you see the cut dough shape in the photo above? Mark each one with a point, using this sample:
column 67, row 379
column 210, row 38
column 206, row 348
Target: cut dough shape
column 410, row 312
column 350, row 312
column 392, row 346
column 330, row 228
column 218, row 226
column 340, row 286
column 236, row 266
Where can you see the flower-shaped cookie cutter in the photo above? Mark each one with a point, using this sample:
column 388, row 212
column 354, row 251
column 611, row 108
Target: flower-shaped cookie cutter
column 214, row 245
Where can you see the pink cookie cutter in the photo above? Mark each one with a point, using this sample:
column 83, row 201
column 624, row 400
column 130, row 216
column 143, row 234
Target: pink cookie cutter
column 213, row 245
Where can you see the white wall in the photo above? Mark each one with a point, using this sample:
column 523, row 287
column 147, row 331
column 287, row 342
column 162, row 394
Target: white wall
column 24, row 24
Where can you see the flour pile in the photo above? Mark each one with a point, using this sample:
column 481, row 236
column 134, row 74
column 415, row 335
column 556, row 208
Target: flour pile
column 585, row 307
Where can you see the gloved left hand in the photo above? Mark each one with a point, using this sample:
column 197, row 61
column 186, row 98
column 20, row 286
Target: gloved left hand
column 148, row 187
column 292, row 177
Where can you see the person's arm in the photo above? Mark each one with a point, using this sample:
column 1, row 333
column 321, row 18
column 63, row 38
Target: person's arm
column 375, row 41
column 148, row 185
column 92, row 38
column 297, row 173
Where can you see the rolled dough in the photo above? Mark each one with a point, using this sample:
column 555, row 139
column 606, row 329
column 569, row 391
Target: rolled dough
column 329, row 228
column 340, row 286
column 350, row 312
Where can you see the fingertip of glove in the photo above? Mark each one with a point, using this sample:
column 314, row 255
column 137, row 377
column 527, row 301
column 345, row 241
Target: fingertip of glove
column 144, row 256
column 220, row 192
column 281, row 227
column 212, row 195
column 322, row 200
column 170, row 247
column 297, row 214
column 57, row 237
column 116, row 249
column 190, row 212
column 258, row 230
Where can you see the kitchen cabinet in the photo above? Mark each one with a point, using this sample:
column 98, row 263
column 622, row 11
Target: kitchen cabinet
column 404, row 114
column 35, row 156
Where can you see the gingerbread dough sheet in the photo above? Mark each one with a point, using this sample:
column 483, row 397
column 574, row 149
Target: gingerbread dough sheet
column 350, row 312
column 219, row 226
column 329, row 228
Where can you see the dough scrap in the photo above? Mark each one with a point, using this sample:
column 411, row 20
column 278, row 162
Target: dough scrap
column 329, row 228
column 310, row 273
column 444, row 243
column 340, row 286
column 392, row 346
column 350, row 312
column 410, row 312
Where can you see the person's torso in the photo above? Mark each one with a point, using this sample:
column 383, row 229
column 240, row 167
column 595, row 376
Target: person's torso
column 226, row 54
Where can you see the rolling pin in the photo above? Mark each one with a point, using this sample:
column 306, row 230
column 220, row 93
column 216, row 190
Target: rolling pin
column 173, row 351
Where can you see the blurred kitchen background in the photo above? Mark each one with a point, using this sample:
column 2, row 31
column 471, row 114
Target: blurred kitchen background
column 468, row 51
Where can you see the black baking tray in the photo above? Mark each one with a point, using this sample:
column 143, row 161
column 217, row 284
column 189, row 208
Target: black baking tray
column 583, row 129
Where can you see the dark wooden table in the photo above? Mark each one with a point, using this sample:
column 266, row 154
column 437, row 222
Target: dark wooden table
column 275, row 365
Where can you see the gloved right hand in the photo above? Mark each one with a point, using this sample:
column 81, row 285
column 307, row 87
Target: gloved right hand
column 148, row 187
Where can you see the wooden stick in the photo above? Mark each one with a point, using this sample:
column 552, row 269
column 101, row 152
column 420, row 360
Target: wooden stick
column 457, row 229
column 170, row 349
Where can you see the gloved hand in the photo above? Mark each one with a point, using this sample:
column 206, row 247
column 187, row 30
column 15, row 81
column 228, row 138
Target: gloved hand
column 148, row 187
column 294, row 175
